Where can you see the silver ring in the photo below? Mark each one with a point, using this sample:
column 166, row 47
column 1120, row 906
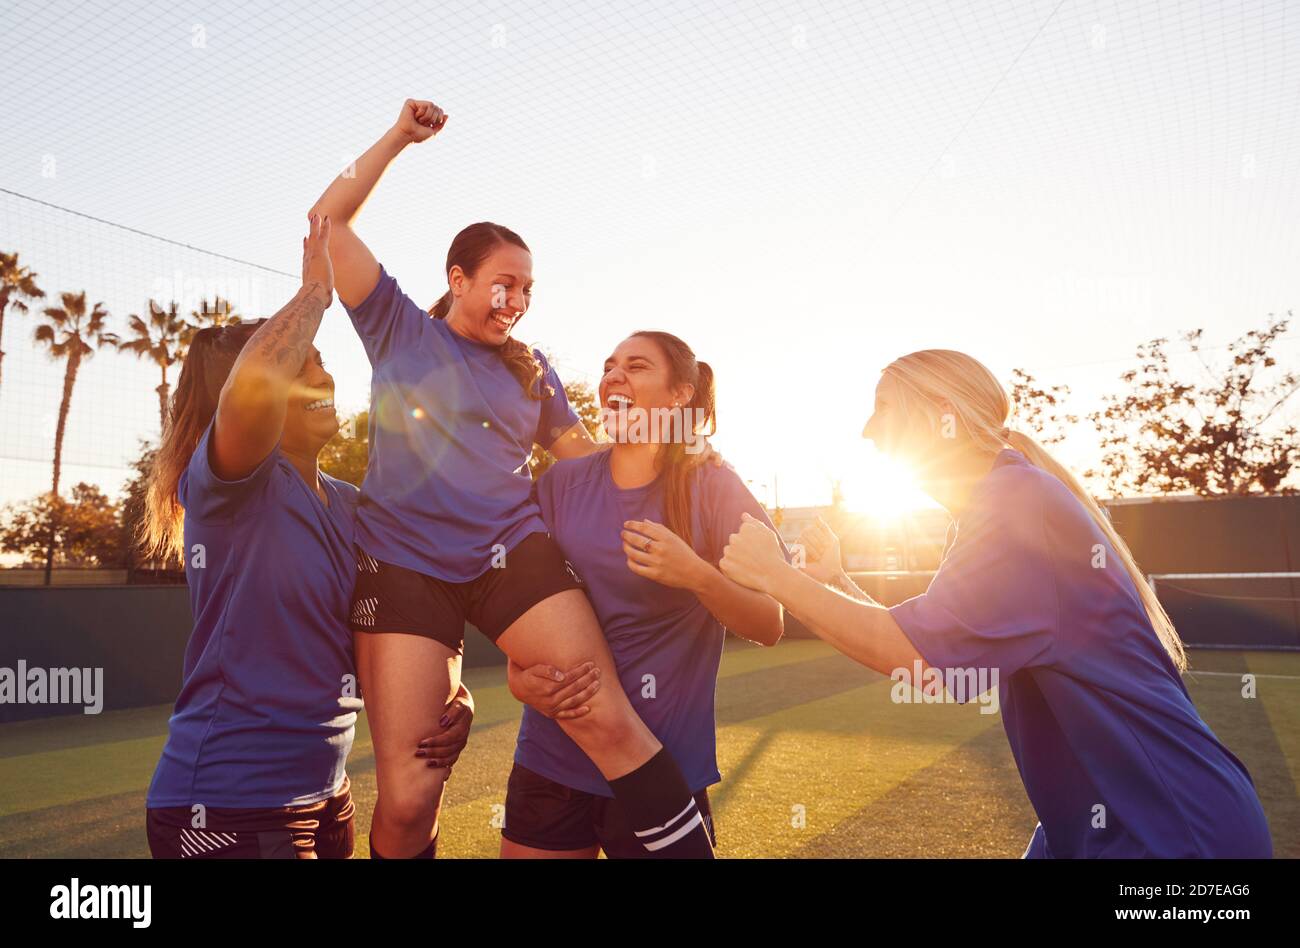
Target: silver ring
column 647, row 545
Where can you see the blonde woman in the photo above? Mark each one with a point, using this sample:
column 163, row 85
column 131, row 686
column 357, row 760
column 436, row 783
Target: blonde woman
column 1039, row 588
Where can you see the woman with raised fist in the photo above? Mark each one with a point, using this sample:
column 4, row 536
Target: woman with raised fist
column 448, row 530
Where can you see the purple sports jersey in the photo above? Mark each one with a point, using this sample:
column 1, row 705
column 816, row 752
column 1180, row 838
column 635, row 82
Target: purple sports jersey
column 1114, row 757
column 665, row 643
column 451, row 431
column 268, row 698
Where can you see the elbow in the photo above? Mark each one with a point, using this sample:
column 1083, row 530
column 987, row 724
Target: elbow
column 774, row 626
column 766, row 633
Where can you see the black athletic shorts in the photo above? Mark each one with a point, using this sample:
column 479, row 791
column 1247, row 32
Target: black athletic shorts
column 390, row 598
column 547, row 815
column 321, row 830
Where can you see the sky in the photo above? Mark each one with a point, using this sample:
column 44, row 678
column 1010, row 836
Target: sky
column 802, row 191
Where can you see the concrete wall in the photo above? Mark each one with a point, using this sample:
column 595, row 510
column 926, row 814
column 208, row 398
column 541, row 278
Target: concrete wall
column 136, row 634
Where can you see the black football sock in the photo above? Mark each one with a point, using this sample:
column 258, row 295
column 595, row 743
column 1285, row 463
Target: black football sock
column 661, row 810
column 429, row 852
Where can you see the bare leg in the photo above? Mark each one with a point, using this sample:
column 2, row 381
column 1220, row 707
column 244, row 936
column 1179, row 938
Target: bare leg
column 406, row 681
column 562, row 631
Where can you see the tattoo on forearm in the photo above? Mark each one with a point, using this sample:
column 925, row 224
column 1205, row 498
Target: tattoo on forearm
column 287, row 336
column 847, row 586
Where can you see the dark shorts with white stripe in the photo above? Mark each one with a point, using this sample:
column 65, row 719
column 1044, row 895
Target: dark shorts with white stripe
column 543, row 814
column 391, row 598
column 321, row 830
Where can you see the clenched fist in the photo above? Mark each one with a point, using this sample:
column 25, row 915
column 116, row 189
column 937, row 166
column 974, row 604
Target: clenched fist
column 821, row 551
column 753, row 555
column 420, row 120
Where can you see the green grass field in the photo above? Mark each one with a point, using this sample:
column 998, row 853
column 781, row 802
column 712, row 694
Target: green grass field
column 816, row 761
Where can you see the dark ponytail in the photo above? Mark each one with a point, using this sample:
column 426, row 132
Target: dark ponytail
column 702, row 415
column 468, row 251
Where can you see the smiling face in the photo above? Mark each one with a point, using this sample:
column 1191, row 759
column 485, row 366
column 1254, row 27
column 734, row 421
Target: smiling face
column 491, row 302
column 310, row 420
column 638, row 376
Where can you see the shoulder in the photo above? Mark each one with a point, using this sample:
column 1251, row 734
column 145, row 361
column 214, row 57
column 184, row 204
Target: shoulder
column 547, row 368
column 572, row 473
column 1021, row 502
column 719, row 480
column 1014, row 485
column 387, row 295
column 347, row 490
column 204, row 495
column 384, row 290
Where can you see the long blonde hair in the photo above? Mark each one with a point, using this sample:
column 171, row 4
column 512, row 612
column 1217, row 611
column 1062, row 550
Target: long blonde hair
column 981, row 406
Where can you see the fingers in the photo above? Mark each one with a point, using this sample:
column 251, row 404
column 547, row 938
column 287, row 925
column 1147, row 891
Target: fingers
column 547, row 672
column 649, row 572
column 455, row 710
column 441, row 749
column 579, row 692
column 636, row 541
column 318, row 233
column 648, row 528
column 753, row 528
column 637, row 555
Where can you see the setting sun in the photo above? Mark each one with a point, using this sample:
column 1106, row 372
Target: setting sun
column 877, row 485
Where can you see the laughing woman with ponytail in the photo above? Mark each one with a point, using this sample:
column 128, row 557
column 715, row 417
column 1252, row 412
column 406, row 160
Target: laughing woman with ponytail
column 1037, row 587
column 448, row 530
column 644, row 525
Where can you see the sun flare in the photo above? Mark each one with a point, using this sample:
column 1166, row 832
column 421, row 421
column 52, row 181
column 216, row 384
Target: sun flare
column 880, row 487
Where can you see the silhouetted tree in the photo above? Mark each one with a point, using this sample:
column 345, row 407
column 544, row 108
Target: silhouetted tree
column 220, row 312
column 17, row 286
column 1221, row 435
column 1037, row 409
column 159, row 340
column 346, row 455
column 71, row 334
column 86, row 529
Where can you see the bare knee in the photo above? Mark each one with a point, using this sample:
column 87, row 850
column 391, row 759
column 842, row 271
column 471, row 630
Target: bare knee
column 411, row 806
column 612, row 736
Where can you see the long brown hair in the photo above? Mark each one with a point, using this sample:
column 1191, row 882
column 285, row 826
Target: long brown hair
column 212, row 354
column 702, row 413
column 468, row 250
column 981, row 405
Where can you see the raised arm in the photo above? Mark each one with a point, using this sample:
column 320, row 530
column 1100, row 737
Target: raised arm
column 355, row 267
column 251, row 410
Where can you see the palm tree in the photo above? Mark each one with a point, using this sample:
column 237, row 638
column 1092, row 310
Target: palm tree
column 160, row 340
column 72, row 334
column 220, row 312
column 17, row 283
